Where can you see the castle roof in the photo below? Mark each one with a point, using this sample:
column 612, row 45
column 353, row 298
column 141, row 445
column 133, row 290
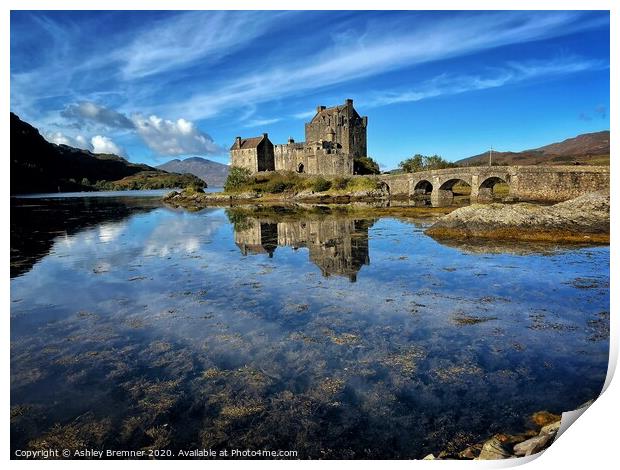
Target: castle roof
column 323, row 111
column 247, row 143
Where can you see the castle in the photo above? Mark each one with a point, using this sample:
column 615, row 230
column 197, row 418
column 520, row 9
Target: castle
column 334, row 137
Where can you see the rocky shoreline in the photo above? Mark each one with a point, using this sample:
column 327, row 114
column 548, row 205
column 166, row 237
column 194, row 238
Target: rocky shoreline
column 197, row 199
column 584, row 219
column 510, row 446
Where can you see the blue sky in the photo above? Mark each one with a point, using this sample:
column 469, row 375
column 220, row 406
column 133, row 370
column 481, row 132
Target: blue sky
column 160, row 85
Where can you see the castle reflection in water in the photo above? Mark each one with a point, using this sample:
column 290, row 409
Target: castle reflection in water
column 338, row 246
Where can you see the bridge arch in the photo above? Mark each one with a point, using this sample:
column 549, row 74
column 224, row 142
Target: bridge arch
column 423, row 186
column 443, row 191
column 384, row 186
column 449, row 184
column 486, row 188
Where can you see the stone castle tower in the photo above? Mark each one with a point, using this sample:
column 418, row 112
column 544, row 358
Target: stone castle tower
column 334, row 137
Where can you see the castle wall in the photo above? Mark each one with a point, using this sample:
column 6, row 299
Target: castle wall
column 245, row 158
column 315, row 159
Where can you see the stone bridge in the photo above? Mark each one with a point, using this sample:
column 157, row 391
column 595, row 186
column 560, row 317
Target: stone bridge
column 527, row 183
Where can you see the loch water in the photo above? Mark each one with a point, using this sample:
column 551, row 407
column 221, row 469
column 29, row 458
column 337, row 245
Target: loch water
column 332, row 333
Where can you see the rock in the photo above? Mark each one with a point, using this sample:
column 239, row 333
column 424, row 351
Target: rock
column 429, row 457
column 542, row 418
column 533, row 445
column 171, row 195
column 493, row 449
column 551, row 428
column 471, row 452
column 577, row 219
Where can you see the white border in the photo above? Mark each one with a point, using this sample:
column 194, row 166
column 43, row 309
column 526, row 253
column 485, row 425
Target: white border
column 591, row 443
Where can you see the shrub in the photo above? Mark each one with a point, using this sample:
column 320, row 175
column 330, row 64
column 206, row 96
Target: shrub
column 340, row 182
column 365, row 166
column 237, row 178
column 278, row 186
column 320, row 184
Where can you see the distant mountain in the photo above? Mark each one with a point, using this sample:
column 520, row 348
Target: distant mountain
column 213, row 173
column 590, row 149
column 40, row 166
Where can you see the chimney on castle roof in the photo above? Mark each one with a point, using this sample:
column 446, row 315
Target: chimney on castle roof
column 291, row 140
column 320, row 108
column 348, row 102
column 264, row 135
column 238, row 141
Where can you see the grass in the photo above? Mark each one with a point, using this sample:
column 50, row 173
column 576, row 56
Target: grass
column 291, row 182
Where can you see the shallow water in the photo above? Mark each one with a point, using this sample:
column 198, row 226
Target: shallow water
column 135, row 326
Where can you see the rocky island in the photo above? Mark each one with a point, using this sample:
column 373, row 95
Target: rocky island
column 584, row 219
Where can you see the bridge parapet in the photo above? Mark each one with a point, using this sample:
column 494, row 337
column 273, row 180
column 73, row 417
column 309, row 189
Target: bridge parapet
column 532, row 182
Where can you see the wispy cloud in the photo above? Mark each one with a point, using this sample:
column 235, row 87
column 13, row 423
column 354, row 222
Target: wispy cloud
column 260, row 122
column 513, row 73
column 185, row 38
column 108, row 73
column 304, row 115
column 382, row 49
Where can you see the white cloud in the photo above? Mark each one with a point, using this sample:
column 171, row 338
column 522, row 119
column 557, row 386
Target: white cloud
column 102, row 144
column 82, row 142
column 59, row 138
column 172, row 138
column 166, row 137
column 97, row 144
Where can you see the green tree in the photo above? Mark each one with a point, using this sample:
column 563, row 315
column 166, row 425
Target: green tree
column 435, row 162
column 422, row 163
column 365, row 166
column 237, row 177
column 413, row 164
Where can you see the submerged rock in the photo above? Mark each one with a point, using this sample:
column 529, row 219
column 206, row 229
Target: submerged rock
column 583, row 219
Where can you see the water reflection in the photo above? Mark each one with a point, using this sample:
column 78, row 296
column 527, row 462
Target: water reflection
column 160, row 329
column 337, row 245
column 35, row 223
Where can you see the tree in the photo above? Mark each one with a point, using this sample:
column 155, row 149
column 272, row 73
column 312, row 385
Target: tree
column 237, row 177
column 413, row 164
column 422, row 163
column 365, row 166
